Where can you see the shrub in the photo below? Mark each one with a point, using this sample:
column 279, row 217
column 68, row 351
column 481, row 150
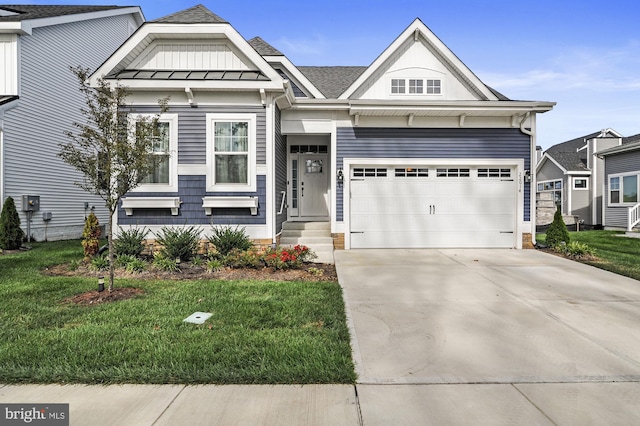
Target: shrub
column 135, row 265
column 179, row 243
column 214, row 265
column 287, row 258
column 242, row 259
column 557, row 231
column 197, row 261
column 226, row 239
column 100, row 263
column 130, row 242
column 11, row 235
column 124, row 259
column 91, row 236
column 165, row 263
column 575, row 249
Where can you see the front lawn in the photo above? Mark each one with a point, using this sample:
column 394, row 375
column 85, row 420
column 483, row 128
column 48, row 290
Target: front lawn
column 260, row 331
column 615, row 253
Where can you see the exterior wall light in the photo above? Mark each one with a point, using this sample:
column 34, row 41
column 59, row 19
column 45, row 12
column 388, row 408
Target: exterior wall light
column 527, row 176
column 340, row 176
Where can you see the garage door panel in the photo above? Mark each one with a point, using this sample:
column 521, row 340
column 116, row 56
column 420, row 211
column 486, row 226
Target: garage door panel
column 438, row 211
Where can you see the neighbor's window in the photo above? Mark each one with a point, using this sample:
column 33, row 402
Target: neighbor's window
column 580, row 183
column 164, row 147
column 623, row 189
column 230, row 152
column 553, row 186
column 398, row 85
column 630, row 189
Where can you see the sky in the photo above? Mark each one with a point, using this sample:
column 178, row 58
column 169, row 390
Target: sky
column 583, row 55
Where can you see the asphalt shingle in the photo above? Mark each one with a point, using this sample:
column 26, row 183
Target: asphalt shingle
column 22, row 12
column 264, row 48
column 332, row 81
column 194, row 15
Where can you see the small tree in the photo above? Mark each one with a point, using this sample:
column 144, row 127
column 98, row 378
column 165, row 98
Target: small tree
column 11, row 235
column 112, row 152
column 91, row 236
column 557, row 231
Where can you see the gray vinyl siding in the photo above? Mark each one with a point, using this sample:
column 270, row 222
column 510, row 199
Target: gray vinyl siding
column 191, row 189
column 626, row 162
column 580, row 202
column 281, row 170
column 549, row 171
column 192, row 125
column 431, row 143
column 49, row 103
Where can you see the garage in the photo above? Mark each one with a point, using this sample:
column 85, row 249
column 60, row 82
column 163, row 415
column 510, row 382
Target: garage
column 433, row 206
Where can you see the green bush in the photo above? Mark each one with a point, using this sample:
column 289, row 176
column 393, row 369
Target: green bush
column 124, row 259
column 165, row 264
column 225, row 239
column 557, row 231
column 130, row 242
column 11, row 235
column 214, row 265
column 179, row 243
column 135, row 265
column 100, row 263
column 575, row 249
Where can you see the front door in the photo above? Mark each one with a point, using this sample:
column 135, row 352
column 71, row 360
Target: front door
column 309, row 183
column 313, row 185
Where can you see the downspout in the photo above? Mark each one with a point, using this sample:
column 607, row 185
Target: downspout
column 532, row 168
column 274, row 104
column 2, row 157
column 524, row 120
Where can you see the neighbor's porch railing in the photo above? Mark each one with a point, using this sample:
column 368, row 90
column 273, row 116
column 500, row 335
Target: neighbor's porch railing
column 634, row 217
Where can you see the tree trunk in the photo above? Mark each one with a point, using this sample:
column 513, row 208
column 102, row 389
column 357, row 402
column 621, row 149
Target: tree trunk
column 110, row 241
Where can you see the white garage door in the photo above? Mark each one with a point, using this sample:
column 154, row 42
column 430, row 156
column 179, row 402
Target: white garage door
column 432, row 207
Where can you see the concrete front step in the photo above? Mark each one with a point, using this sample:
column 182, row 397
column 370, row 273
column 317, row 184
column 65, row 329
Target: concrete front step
column 307, row 241
column 306, row 225
column 298, row 233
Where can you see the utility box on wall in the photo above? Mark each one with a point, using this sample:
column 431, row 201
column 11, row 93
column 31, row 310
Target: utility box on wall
column 30, row 203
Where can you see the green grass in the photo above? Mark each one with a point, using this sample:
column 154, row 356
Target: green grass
column 616, row 254
column 260, row 332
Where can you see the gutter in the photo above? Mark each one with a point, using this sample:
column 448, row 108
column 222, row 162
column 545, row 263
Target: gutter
column 522, row 129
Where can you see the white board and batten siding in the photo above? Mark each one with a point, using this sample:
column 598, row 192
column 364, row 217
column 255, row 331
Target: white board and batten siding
column 433, row 206
column 49, row 103
column 191, row 56
column 9, row 61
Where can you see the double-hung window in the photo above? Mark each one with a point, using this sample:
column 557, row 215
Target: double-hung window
column 231, row 146
column 164, row 151
column 623, row 189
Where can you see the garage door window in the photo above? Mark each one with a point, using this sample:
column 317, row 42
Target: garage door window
column 494, row 173
column 370, row 172
column 453, row 173
column 411, row 172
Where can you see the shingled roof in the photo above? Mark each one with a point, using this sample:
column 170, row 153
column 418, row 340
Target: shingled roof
column 332, row 81
column 194, row 15
column 567, row 155
column 264, row 48
column 22, row 12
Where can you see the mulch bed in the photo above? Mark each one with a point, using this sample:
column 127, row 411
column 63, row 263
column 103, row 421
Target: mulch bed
column 308, row 272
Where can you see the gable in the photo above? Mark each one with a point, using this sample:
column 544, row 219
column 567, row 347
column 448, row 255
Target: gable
column 418, row 55
column 191, row 55
column 416, row 61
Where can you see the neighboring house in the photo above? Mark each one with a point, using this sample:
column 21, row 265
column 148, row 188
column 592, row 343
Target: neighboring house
column 622, row 185
column 39, row 101
column 411, row 151
column 569, row 175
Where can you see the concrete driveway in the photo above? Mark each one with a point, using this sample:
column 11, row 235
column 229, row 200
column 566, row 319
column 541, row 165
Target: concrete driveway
column 491, row 336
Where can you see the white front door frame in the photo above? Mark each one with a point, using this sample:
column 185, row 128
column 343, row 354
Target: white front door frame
column 517, row 163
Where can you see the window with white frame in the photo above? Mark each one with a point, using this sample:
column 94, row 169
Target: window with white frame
column 623, row 189
column 231, row 146
column 397, row 85
column 416, row 86
column 553, row 186
column 164, row 150
column 580, row 183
